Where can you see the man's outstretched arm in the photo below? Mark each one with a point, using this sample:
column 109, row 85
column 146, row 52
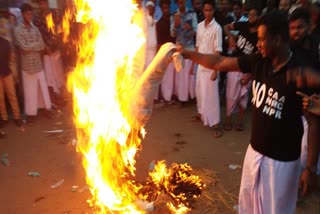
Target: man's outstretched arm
column 211, row 61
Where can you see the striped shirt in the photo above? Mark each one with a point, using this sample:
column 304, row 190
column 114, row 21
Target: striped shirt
column 208, row 39
column 29, row 39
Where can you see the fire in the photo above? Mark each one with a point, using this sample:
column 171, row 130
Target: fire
column 50, row 23
column 109, row 63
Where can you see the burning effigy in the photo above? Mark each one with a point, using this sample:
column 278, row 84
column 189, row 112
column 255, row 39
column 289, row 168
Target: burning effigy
column 112, row 102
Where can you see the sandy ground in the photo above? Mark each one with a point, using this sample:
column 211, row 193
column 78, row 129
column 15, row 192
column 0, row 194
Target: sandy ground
column 171, row 136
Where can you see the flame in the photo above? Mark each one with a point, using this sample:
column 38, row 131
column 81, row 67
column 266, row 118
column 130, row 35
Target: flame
column 180, row 210
column 109, row 63
column 101, row 84
column 67, row 18
column 50, row 23
column 178, row 182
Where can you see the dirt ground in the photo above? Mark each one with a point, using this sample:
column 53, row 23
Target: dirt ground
column 171, row 136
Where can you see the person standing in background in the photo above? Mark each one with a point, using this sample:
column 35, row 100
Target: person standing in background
column 209, row 41
column 7, row 84
column 198, row 9
column 285, row 5
column 35, row 88
column 52, row 56
column 183, row 27
column 224, row 17
column 238, row 84
column 164, row 36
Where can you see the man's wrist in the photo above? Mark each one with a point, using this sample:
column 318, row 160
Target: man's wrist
column 185, row 54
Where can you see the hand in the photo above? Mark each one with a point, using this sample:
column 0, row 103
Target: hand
column 307, row 180
column 310, row 103
column 214, row 76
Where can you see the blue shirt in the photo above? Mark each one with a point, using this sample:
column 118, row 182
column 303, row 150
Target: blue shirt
column 184, row 37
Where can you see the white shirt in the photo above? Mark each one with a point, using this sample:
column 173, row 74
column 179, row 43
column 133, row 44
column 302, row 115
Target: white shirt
column 209, row 39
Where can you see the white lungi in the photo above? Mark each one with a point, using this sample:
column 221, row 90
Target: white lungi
column 54, row 71
column 184, row 82
column 36, row 92
column 236, row 94
column 304, row 146
column 167, row 83
column 208, row 101
column 268, row 186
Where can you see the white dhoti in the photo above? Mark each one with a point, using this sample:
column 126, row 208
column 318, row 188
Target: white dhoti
column 304, row 146
column 268, row 186
column 36, row 92
column 184, row 86
column 167, row 83
column 236, row 94
column 54, row 71
column 208, row 101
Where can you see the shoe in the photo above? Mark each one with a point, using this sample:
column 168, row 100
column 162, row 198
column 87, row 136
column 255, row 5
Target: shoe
column 196, row 118
column 217, row 131
column 18, row 122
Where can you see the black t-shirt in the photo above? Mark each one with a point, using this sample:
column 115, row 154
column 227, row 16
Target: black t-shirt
column 222, row 21
column 163, row 31
column 247, row 41
column 276, row 122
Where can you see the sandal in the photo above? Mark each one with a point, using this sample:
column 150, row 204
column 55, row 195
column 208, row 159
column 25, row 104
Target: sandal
column 217, row 131
column 196, row 118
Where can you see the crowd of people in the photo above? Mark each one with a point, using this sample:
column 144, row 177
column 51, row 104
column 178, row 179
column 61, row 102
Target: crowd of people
column 232, row 54
column 284, row 67
column 32, row 73
column 229, row 28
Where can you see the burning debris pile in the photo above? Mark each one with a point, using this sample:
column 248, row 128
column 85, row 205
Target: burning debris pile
column 180, row 189
column 176, row 186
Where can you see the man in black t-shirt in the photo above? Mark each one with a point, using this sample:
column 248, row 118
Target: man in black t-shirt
column 305, row 45
column 238, row 84
column 270, row 176
column 223, row 16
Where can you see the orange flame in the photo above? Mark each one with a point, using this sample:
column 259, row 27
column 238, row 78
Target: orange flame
column 101, row 84
column 50, row 23
column 109, row 62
